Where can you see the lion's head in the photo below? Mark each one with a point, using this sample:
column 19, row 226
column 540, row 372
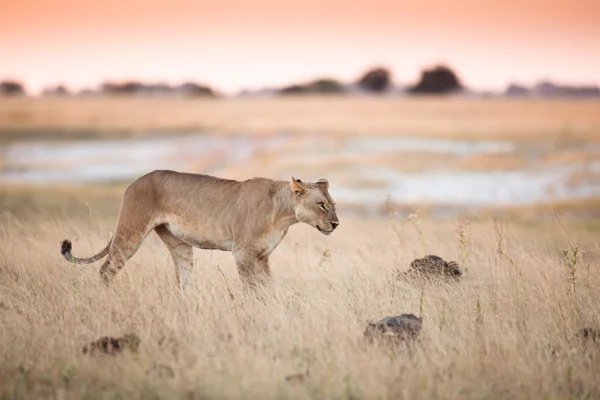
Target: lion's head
column 314, row 205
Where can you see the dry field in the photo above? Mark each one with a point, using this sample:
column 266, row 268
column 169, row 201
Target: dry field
column 507, row 330
column 434, row 117
column 510, row 329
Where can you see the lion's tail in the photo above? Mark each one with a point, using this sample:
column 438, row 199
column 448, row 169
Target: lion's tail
column 65, row 250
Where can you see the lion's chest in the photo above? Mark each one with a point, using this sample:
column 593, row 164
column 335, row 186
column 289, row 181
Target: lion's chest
column 270, row 240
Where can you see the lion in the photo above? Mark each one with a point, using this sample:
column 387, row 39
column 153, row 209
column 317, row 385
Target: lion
column 248, row 218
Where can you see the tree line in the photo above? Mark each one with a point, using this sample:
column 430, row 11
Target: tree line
column 376, row 80
column 440, row 79
column 15, row 88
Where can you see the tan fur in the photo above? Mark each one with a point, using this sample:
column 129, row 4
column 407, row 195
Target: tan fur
column 248, row 218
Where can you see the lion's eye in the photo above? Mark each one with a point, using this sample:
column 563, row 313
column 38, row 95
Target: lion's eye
column 321, row 205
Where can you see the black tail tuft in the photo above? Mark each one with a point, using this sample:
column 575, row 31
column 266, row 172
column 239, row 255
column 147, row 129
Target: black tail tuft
column 65, row 247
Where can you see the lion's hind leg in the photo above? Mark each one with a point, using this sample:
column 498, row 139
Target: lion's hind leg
column 121, row 250
column 126, row 241
column 182, row 255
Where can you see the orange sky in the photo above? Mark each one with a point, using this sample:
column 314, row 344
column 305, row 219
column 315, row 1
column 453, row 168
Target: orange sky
column 235, row 44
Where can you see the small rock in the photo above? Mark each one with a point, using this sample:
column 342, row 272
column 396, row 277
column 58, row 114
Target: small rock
column 432, row 265
column 296, row 378
column 405, row 327
column 111, row 345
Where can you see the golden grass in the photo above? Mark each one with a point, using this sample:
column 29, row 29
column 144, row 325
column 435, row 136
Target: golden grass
column 428, row 116
column 508, row 330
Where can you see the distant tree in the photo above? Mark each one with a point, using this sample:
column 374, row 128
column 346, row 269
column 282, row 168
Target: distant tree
column 376, row 80
column 293, row 89
column 516, row 90
column 438, row 80
column 130, row 87
column 155, row 88
column 319, row 86
column 194, row 89
column 325, row 85
column 11, row 88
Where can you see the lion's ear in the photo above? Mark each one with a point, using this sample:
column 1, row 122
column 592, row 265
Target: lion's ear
column 298, row 187
column 324, row 182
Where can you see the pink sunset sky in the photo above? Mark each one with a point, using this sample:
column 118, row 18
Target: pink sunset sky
column 232, row 45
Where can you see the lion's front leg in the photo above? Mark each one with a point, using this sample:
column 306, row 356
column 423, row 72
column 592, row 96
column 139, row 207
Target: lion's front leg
column 252, row 268
column 263, row 264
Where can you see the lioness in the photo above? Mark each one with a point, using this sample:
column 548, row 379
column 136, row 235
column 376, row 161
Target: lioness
column 248, row 218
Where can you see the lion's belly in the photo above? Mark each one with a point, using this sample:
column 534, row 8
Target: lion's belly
column 203, row 237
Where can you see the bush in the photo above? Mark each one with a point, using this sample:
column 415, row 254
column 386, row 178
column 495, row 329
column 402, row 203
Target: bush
column 319, row 86
column 326, row 85
column 293, row 89
column 438, row 80
column 11, row 88
column 131, row 87
column 376, row 80
column 194, row 89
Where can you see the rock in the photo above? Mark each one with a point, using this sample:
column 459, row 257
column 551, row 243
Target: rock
column 297, row 378
column 432, row 265
column 589, row 335
column 405, row 327
column 111, row 345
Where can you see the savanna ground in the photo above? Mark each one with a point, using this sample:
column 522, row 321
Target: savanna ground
column 508, row 329
column 472, row 118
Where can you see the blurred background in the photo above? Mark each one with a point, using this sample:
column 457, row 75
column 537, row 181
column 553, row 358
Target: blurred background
column 444, row 108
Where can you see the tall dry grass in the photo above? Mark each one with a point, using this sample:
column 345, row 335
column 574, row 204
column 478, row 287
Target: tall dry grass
column 507, row 330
